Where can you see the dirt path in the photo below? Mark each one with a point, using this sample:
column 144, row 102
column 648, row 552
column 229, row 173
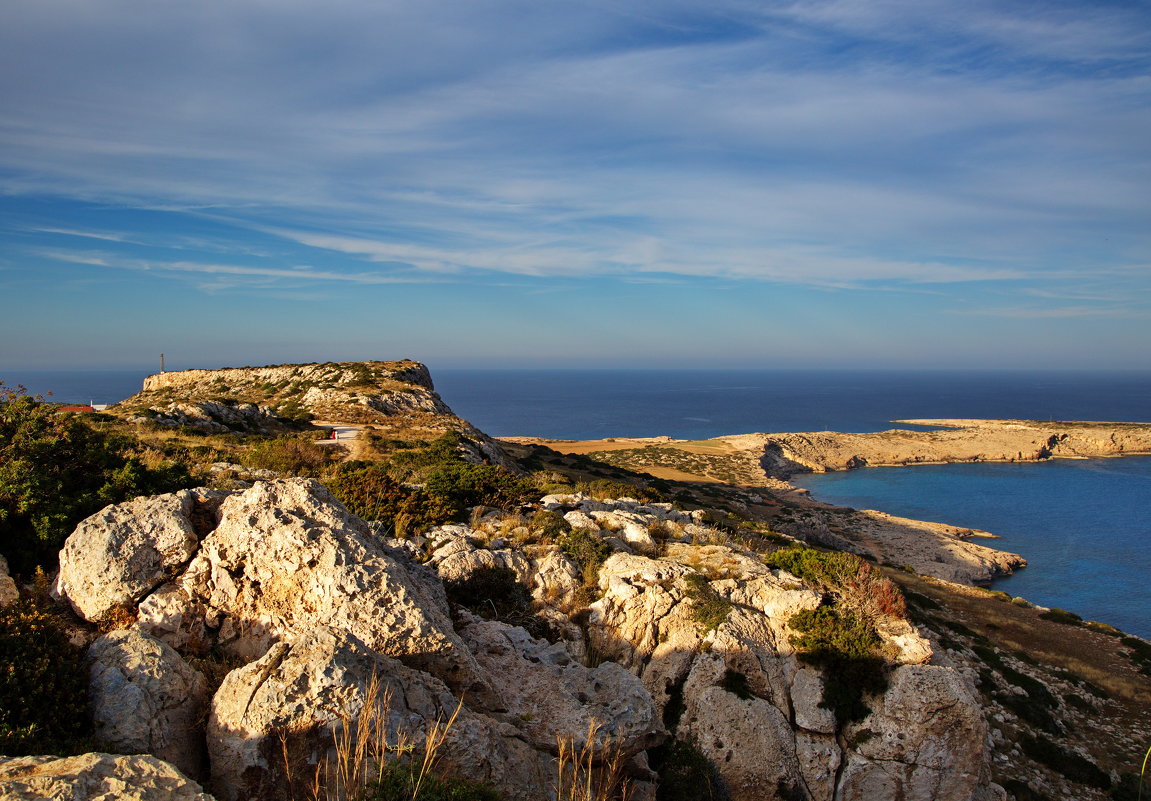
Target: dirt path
column 346, row 434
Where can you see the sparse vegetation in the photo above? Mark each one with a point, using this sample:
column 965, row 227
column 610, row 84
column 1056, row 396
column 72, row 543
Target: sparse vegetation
column 854, row 581
column 290, row 456
column 587, row 550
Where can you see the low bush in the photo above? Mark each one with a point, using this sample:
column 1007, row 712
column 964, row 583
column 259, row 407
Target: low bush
column 290, row 455
column 1062, row 616
column 371, row 494
column 56, row 469
column 685, row 774
column 847, row 648
column 853, row 580
column 550, row 525
column 465, row 485
column 602, row 489
column 1140, row 653
column 1103, row 628
column 587, row 550
column 43, row 685
column 709, row 610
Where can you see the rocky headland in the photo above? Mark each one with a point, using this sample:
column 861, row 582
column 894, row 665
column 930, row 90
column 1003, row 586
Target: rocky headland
column 680, row 630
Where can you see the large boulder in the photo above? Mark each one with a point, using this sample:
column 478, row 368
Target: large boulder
column 147, row 699
column 922, row 737
column 273, row 722
column 121, row 553
column 548, row 696
column 286, row 555
column 95, row 777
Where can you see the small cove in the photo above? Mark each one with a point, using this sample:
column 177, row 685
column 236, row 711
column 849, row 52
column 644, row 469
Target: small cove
column 1082, row 525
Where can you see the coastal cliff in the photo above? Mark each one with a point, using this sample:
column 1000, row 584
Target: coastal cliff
column 393, row 394
column 683, row 631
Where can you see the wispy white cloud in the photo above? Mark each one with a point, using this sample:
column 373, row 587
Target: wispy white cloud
column 292, row 274
column 830, row 143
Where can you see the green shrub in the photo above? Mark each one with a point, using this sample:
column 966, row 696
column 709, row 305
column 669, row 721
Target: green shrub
column 465, row 485
column 709, row 610
column 43, row 685
column 55, row 470
column 399, row 782
column 371, row 494
column 685, row 774
column 1062, row 616
column 550, row 525
column 847, row 648
column 587, row 550
column 1140, row 653
column 1103, row 628
column 602, row 489
column 290, row 455
column 851, row 579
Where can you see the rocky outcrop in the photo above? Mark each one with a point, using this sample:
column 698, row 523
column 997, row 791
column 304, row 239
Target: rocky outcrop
column 118, row 555
column 8, row 590
column 95, row 777
column 266, row 399
column 147, row 699
column 333, row 631
column 314, row 608
column 739, row 693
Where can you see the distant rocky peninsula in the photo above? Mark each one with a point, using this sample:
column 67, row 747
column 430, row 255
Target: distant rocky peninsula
column 767, row 460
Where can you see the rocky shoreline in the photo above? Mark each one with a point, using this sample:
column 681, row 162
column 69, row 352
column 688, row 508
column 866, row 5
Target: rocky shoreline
column 765, row 461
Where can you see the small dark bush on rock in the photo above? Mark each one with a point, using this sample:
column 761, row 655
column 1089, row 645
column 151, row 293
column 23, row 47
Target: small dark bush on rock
column 684, row 773
column 43, row 685
column 847, row 648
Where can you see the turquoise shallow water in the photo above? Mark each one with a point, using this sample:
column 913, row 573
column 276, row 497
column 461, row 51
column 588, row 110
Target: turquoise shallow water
column 1084, row 526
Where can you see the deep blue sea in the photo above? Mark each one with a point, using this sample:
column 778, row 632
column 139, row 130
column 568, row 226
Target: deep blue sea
column 1083, row 526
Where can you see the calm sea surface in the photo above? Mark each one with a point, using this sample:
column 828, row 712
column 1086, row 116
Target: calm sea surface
column 1083, row 525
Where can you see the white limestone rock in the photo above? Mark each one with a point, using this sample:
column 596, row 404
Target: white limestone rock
column 548, row 695
column 118, row 555
column 147, row 699
column 309, row 687
column 286, row 555
column 95, row 777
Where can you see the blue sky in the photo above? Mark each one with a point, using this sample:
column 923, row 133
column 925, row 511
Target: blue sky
column 888, row 183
